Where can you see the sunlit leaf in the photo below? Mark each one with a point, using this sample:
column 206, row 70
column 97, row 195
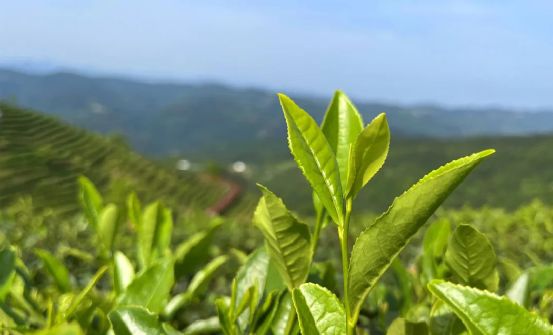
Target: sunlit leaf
column 134, row 320
column 381, row 242
column 123, row 272
column 90, row 199
column 368, row 154
column 319, row 310
column 315, row 157
column 485, row 313
column 288, row 240
column 151, row 289
column 341, row 125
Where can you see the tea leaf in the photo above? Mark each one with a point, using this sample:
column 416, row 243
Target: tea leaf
column 485, row 313
column 154, row 233
column 368, row 154
column 341, row 125
column 108, row 223
column 57, row 270
column 151, row 289
column 134, row 320
column 123, row 272
column 90, row 199
column 314, row 157
column 471, row 257
column 319, row 310
column 381, row 242
column 288, row 240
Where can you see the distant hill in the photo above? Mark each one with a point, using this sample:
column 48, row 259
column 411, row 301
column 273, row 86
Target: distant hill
column 519, row 172
column 41, row 159
column 228, row 123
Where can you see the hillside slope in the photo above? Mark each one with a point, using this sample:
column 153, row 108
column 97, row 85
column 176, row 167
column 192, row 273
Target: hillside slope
column 41, row 158
column 520, row 171
column 216, row 120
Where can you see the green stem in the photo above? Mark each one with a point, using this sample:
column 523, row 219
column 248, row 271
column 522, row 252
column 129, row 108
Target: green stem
column 321, row 218
column 343, row 235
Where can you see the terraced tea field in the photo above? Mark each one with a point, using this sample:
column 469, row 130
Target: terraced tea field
column 41, row 158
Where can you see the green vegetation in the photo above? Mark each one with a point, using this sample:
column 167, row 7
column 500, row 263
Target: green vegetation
column 42, row 158
column 120, row 267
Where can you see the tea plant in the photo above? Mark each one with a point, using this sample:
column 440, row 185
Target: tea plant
column 338, row 159
column 139, row 297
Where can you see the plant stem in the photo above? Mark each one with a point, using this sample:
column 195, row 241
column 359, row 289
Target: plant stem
column 321, row 218
column 343, row 235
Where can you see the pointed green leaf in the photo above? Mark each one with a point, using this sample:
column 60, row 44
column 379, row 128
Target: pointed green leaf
column 319, row 310
column 76, row 303
column 485, row 313
column 288, row 240
column 123, row 272
column 90, row 199
column 341, row 125
column 381, row 242
column 198, row 282
column 314, row 157
column 134, row 320
column 471, row 257
column 253, row 273
column 57, row 270
column 108, row 223
column 368, row 154
column 154, row 233
column 7, row 271
column 151, row 289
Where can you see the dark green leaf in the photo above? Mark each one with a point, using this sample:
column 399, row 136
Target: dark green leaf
column 57, row 270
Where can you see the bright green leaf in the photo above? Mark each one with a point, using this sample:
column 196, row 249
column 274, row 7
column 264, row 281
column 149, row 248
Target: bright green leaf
column 90, row 199
column 203, row 326
column 57, row 270
column 434, row 245
column 151, row 289
column 341, row 125
column 315, row 157
column 485, row 313
column 471, row 257
column 123, row 272
column 381, row 242
column 368, row 154
column 319, row 310
column 62, row 329
column 154, row 233
column 288, row 240
column 108, row 223
column 134, row 320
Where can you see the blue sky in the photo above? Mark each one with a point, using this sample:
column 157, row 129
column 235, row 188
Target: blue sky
column 483, row 52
